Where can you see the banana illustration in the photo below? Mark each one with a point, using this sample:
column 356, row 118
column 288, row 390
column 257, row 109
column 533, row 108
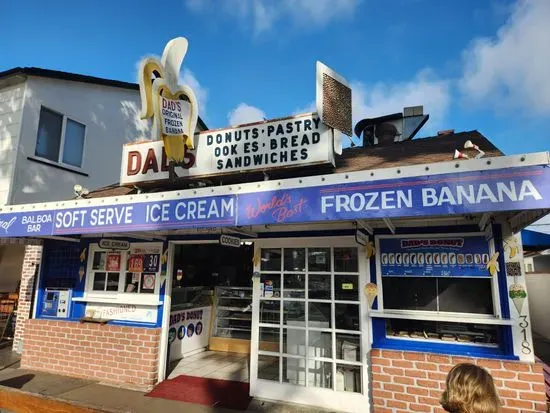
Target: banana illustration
column 83, row 255
column 164, row 257
column 173, row 107
column 370, row 250
column 493, row 265
column 512, row 247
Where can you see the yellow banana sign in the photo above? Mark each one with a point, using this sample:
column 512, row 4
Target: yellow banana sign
column 173, row 107
column 493, row 265
column 370, row 249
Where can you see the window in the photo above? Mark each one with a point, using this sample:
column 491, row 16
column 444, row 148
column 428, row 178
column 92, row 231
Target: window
column 59, row 138
column 432, row 285
column 136, row 271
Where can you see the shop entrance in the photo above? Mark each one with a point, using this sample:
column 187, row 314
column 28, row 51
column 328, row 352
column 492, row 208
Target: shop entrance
column 211, row 311
column 310, row 325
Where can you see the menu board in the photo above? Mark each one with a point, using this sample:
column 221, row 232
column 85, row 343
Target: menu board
column 437, row 256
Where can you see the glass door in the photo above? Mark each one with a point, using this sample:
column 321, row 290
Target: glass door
column 310, row 330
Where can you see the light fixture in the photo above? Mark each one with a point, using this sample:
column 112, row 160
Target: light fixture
column 470, row 145
column 80, row 191
column 460, row 155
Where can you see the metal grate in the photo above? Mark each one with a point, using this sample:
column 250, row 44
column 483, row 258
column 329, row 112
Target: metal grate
column 61, row 264
column 337, row 105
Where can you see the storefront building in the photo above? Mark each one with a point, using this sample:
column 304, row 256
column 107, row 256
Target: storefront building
column 350, row 279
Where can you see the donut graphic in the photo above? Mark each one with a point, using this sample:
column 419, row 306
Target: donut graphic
column 414, row 259
column 190, row 330
column 198, row 328
column 406, row 259
column 420, row 258
column 477, row 258
column 398, row 259
column 452, row 258
column 181, row 332
column 171, row 335
column 384, row 259
column 392, row 259
column 437, row 258
column 444, row 258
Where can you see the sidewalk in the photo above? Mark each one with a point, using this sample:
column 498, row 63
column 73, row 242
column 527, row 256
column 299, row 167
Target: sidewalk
column 116, row 400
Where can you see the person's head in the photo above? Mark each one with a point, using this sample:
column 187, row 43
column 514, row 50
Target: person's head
column 470, row 389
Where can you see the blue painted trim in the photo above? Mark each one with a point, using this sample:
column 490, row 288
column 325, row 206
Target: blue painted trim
column 505, row 350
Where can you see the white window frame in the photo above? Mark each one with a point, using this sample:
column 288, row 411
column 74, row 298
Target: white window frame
column 62, row 140
column 328, row 398
column 120, row 296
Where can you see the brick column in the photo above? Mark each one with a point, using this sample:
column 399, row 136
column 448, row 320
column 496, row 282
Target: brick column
column 33, row 255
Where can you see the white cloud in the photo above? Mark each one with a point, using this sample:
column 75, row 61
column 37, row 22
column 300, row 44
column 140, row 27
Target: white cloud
column 311, row 107
column 265, row 13
column 383, row 99
column 510, row 71
column 244, row 113
column 189, row 79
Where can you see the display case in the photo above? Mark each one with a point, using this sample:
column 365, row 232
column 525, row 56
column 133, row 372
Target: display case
column 233, row 318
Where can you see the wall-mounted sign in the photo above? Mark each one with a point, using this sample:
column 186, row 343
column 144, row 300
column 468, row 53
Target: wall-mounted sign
column 434, row 256
column 511, row 189
column 114, row 244
column 361, row 237
column 288, row 142
column 189, row 331
column 230, row 241
column 122, row 312
column 135, row 263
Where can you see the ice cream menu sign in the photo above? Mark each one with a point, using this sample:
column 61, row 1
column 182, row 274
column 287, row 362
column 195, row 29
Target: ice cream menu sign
column 438, row 256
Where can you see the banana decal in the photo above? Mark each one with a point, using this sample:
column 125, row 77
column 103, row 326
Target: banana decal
column 512, row 247
column 173, row 108
column 493, row 265
column 370, row 250
column 83, row 255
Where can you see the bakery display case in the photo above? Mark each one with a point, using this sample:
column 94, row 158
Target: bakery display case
column 233, row 313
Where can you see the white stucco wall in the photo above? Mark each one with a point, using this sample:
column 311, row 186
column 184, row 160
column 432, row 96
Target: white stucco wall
column 541, row 263
column 538, row 289
column 11, row 108
column 111, row 118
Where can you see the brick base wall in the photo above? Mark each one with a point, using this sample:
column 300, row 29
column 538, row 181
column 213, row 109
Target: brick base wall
column 122, row 356
column 413, row 382
column 33, row 255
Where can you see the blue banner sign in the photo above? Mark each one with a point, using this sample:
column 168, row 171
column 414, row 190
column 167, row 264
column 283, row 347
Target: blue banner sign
column 419, row 256
column 446, row 194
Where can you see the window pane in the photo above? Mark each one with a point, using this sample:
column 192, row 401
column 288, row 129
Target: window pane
column 131, row 283
column 346, row 287
column 74, row 143
column 99, row 281
column 319, row 259
column 320, row 374
column 320, row 344
column 294, row 371
column 295, row 285
column 99, row 260
column 270, row 312
column 294, row 313
column 347, row 316
column 269, row 339
column 294, row 342
column 268, row 368
column 345, row 260
column 319, row 286
column 410, row 293
column 348, row 347
column 271, row 259
column 295, row 259
column 148, row 282
column 465, row 295
column 319, row 315
column 348, row 378
column 49, row 135
column 112, row 281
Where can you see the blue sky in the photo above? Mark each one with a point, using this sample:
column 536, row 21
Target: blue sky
column 473, row 64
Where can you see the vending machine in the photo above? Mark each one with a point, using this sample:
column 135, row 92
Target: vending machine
column 57, row 303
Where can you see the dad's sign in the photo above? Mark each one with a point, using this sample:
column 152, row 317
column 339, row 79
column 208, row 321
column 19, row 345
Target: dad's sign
column 288, row 142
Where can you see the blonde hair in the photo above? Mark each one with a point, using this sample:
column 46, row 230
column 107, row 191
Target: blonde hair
column 470, row 389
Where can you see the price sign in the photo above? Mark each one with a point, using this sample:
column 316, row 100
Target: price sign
column 135, row 263
column 151, row 262
column 113, row 262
